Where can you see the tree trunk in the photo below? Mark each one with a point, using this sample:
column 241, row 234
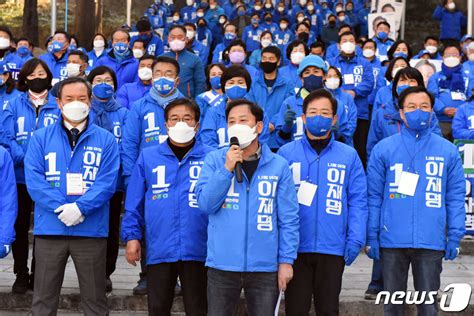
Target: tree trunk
column 99, row 16
column 85, row 22
column 30, row 21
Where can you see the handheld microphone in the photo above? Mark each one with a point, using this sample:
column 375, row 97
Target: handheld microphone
column 238, row 166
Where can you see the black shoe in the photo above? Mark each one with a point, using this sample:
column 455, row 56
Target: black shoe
column 140, row 289
column 31, row 282
column 371, row 294
column 21, row 283
column 108, row 285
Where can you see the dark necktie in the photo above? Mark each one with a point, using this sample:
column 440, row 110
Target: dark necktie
column 75, row 136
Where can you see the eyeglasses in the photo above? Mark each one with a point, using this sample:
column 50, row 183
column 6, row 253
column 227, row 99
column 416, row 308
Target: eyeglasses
column 188, row 120
column 325, row 113
column 108, row 81
column 426, row 107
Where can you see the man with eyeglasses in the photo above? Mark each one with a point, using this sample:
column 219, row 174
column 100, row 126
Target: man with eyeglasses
column 331, row 185
column 164, row 179
column 416, row 202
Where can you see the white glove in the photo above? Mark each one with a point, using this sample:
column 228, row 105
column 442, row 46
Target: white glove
column 70, row 214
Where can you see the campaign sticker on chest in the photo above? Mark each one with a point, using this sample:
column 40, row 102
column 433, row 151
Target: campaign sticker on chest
column 458, row 96
column 306, row 193
column 348, row 79
column 408, row 182
column 74, row 184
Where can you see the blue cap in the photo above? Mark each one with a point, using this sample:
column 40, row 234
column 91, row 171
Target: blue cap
column 312, row 60
column 423, row 52
column 4, row 67
column 466, row 37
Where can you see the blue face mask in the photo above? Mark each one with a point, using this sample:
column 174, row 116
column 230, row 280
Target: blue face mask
column 402, row 88
column 215, row 82
column 229, row 36
column 163, row 85
column 255, row 21
column 103, row 91
column 236, row 92
column 120, row 48
column 241, row 13
column 318, row 125
column 57, row 46
column 400, row 54
column 23, row 51
column 382, row 35
column 313, row 82
column 418, row 120
column 72, row 47
column 50, row 48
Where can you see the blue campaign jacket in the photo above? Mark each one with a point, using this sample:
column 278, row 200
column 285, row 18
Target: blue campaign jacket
column 8, row 199
column 188, row 14
column 333, row 50
column 251, row 37
column 56, row 66
column 436, row 211
column 291, row 73
column 379, row 80
column 126, row 70
column 445, row 95
column 382, row 48
column 145, row 127
column 283, row 38
column 468, row 68
column 154, row 46
column 208, row 100
column 191, row 74
column 463, row 121
column 253, row 226
column 201, row 51
column 47, row 162
column 93, row 58
column 128, row 93
column 6, row 98
column 160, row 182
column 452, row 23
column 271, row 101
column 338, row 213
column 13, row 60
column 20, row 122
column 362, row 73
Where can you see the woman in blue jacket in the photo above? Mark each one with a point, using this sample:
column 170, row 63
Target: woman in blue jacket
column 452, row 21
column 266, row 39
column 236, row 54
column 32, row 110
column 111, row 116
column 213, row 96
column 295, row 52
column 7, row 87
column 99, row 50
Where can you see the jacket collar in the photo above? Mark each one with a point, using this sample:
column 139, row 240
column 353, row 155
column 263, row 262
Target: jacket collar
column 266, row 154
column 415, row 134
column 311, row 149
column 196, row 151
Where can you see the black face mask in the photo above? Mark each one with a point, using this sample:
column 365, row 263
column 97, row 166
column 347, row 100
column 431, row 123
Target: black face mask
column 303, row 37
column 268, row 19
column 332, row 23
column 268, row 67
column 38, row 85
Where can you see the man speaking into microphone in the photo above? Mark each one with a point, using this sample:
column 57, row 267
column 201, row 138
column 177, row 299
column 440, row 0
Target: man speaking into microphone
column 253, row 223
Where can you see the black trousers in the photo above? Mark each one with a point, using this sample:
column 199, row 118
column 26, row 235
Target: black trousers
column 360, row 140
column 161, row 279
column 317, row 275
column 22, row 226
column 115, row 210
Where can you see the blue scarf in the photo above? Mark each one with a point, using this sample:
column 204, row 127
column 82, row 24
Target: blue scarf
column 452, row 78
column 101, row 112
column 163, row 101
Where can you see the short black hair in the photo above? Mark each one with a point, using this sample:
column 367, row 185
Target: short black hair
column 431, row 37
column 166, row 60
column 236, row 71
column 190, row 25
column 28, row 68
column 103, row 37
column 147, row 57
column 411, row 90
column 189, row 103
column 100, row 71
column 383, row 23
column 23, row 38
column 73, row 37
column 256, row 110
column 408, row 73
column 451, row 44
column 391, row 65
column 345, row 34
column 120, row 30
column 83, row 56
column 318, row 44
column 343, row 26
column 272, row 49
column 370, row 41
column 394, row 46
column 294, row 44
column 68, row 81
column 231, row 24
column 208, row 72
column 177, row 26
column 236, row 42
column 139, row 41
column 317, row 95
column 143, row 25
column 66, row 34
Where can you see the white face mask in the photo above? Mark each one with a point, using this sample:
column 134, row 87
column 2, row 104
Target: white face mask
column 258, row 8
column 283, row 26
column 266, row 43
column 4, row 43
column 471, row 57
column 73, row 70
column 189, row 2
column 451, row 61
column 451, row 6
column 244, row 133
column 342, row 18
column 395, row 71
column 332, row 83
column 177, row 45
column 348, row 47
column 297, row 57
column 181, row 133
column 145, row 73
column 99, row 44
column 431, row 49
column 190, row 34
column 76, row 111
column 138, row 53
column 200, row 14
column 368, row 53
column 310, row 8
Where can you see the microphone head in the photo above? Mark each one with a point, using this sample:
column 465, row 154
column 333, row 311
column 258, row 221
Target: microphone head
column 234, row 141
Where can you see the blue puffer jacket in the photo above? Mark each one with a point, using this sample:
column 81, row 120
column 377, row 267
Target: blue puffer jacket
column 436, row 211
column 154, row 46
column 56, row 66
column 253, row 225
column 463, row 121
column 8, row 199
column 129, row 93
column 145, row 127
column 160, row 182
column 48, row 161
column 357, row 76
column 452, row 25
column 125, row 70
column 20, row 121
column 191, row 74
column 338, row 213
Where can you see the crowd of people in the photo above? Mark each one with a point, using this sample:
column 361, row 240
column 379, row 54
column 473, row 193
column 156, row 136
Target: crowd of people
column 249, row 145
